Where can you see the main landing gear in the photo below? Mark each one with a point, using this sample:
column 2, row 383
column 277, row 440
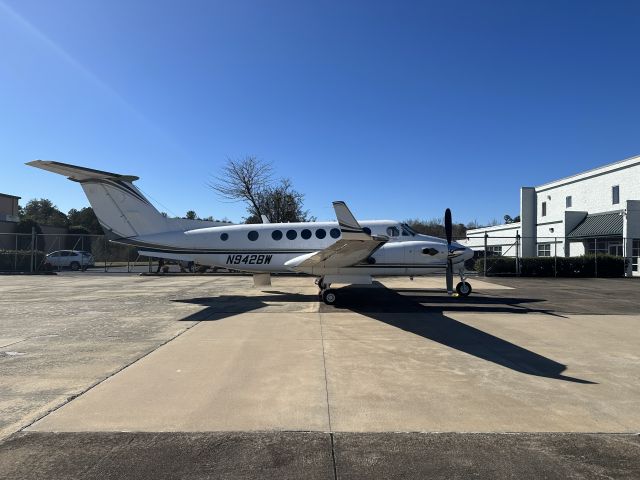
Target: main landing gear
column 463, row 288
column 327, row 295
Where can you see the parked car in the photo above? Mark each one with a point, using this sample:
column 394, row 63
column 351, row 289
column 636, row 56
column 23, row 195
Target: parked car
column 73, row 259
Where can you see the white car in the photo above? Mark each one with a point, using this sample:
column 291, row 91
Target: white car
column 73, row 259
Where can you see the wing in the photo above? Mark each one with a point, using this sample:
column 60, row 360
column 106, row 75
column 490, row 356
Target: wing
column 354, row 246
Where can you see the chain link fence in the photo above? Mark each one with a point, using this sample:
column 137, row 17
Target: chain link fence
column 554, row 256
column 34, row 253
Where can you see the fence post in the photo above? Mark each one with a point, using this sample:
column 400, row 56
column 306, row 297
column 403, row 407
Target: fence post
column 486, row 236
column 105, row 252
column 15, row 255
column 517, row 253
column 595, row 259
column 555, row 257
column 33, row 245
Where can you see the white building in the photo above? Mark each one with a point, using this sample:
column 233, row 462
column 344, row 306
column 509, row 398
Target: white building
column 597, row 211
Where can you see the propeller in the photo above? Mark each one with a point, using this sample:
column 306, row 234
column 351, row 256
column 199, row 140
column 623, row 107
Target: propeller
column 448, row 228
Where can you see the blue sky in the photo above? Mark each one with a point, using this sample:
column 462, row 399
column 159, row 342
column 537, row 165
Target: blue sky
column 399, row 108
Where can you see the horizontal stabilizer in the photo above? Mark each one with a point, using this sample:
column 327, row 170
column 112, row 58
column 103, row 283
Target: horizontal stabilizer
column 79, row 174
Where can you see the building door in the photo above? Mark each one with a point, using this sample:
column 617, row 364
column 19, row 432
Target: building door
column 615, row 249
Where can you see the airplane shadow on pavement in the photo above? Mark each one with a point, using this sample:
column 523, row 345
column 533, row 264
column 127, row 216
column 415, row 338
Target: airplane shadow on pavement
column 427, row 320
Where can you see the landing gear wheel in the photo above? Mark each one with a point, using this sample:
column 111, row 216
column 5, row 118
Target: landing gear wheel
column 463, row 289
column 329, row 297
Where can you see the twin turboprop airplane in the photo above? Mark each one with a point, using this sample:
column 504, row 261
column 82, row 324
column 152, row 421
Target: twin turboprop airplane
column 346, row 251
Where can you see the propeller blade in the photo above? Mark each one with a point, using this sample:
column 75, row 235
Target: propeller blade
column 448, row 225
column 448, row 228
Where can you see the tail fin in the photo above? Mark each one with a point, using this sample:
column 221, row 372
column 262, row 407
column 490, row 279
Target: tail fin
column 121, row 208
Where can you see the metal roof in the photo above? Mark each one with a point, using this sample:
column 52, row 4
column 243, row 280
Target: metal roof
column 599, row 225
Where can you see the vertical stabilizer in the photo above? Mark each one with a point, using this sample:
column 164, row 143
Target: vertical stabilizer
column 121, row 208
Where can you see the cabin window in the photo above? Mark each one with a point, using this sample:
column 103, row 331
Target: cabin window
column 276, row 234
column 321, row 233
column 334, row 232
column 367, row 230
column 292, row 234
column 393, row 231
column 224, row 237
column 306, row 234
column 615, row 194
column 252, row 235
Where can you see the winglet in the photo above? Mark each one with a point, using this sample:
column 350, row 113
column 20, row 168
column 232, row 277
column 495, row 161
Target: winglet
column 349, row 226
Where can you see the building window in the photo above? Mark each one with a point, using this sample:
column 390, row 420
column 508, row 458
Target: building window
column 292, row 234
column 569, row 201
column 544, row 209
column 252, row 235
column 334, row 232
column 321, row 233
column 615, row 194
column 276, row 234
column 495, row 250
column 544, row 249
column 597, row 247
column 306, row 234
column 635, row 253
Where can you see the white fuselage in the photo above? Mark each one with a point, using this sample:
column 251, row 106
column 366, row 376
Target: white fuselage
column 262, row 248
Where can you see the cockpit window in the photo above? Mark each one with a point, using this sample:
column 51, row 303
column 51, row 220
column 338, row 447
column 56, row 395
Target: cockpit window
column 393, row 231
column 407, row 230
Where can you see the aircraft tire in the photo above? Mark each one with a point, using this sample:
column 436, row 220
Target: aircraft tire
column 329, row 296
column 464, row 289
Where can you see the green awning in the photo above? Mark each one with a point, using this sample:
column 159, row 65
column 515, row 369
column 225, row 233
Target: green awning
column 599, row 225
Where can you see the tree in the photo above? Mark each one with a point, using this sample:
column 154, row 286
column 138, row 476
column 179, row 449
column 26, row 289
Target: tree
column 243, row 180
column 435, row 228
column 251, row 180
column 280, row 204
column 44, row 212
column 86, row 219
column 191, row 215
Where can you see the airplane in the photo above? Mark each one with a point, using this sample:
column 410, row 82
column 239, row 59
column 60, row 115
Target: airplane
column 344, row 252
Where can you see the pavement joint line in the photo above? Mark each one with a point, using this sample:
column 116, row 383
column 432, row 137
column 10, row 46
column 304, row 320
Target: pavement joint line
column 95, row 384
column 326, row 381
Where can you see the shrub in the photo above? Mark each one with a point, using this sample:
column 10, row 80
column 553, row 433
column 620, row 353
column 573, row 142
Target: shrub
column 584, row 266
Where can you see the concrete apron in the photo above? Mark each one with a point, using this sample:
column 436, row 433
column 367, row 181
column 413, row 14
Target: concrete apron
column 351, row 372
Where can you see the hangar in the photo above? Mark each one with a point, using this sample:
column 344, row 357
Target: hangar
column 593, row 212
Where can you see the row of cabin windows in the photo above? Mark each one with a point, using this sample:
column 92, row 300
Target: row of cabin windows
column 615, row 199
column 320, row 233
column 290, row 234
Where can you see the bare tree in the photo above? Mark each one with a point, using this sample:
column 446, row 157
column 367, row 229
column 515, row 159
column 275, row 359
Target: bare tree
column 280, row 203
column 251, row 180
column 243, row 180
